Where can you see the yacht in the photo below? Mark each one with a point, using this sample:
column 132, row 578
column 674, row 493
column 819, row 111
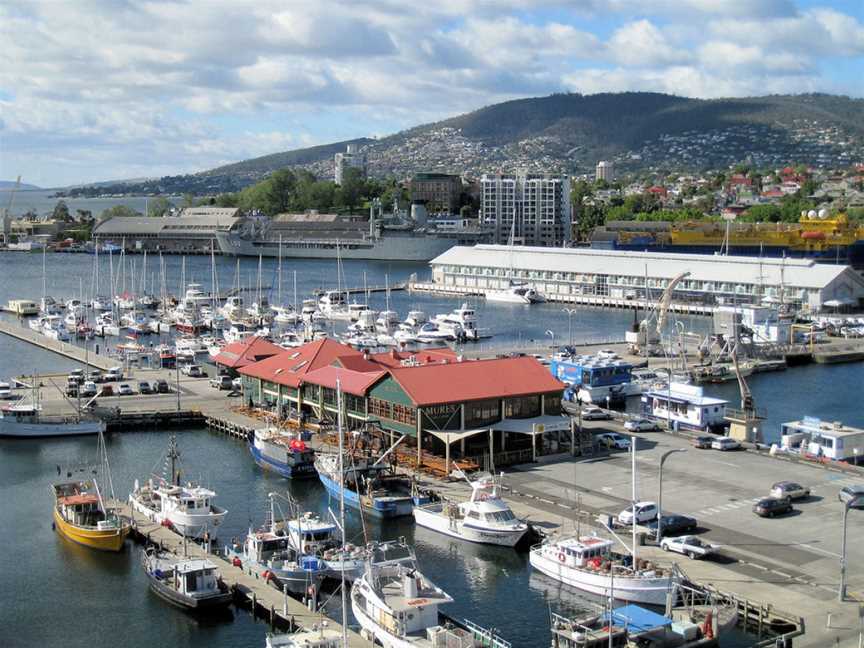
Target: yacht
column 105, row 325
column 387, row 322
column 416, row 319
column 435, row 332
column 188, row 583
column 269, row 552
column 190, row 346
column 187, row 508
column 100, row 303
column 233, row 308
column 124, row 301
column 318, row 636
column 260, row 311
column 399, row 606
column 464, row 317
column 286, row 315
column 310, row 312
column 589, row 563
column 284, row 453
column 332, row 305
column 53, row 328
column 485, row 518
column 516, row 293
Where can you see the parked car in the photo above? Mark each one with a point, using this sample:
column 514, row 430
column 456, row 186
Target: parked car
column 237, row 384
column 95, row 376
column 614, row 440
column 641, row 425
column 106, row 390
column 593, row 413
column 125, row 390
column 848, row 493
column 645, row 512
column 221, row 382
column 72, row 389
column 771, row 506
column 724, row 443
column 703, row 442
column 75, row 377
column 144, row 387
column 689, row 545
column 162, row 387
column 89, row 389
column 674, row 524
column 114, row 373
column 192, row 370
column 608, row 354
column 789, row 490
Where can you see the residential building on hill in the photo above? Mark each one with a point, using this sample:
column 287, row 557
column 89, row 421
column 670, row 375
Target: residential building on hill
column 534, row 208
column 605, row 171
column 440, row 192
column 350, row 159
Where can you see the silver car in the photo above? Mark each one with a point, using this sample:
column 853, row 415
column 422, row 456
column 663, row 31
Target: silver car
column 789, row 490
column 849, row 493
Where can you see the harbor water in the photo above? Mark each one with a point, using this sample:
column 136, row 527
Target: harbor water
column 61, row 595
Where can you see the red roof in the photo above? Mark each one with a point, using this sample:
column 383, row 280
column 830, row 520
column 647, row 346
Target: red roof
column 351, row 382
column 82, row 498
column 290, row 367
column 454, row 382
column 395, row 358
column 240, row 354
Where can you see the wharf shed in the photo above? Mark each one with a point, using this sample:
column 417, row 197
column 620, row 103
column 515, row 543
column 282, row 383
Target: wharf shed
column 193, row 231
column 714, row 279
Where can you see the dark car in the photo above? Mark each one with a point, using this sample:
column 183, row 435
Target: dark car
column 703, row 442
column 162, row 387
column 107, row 390
column 95, row 376
column 771, row 506
column 144, row 387
column 672, row 525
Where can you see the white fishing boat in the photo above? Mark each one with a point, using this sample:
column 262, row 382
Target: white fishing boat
column 399, row 606
column 485, row 518
column 187, row 507
column 188, row 583
column 23, row 420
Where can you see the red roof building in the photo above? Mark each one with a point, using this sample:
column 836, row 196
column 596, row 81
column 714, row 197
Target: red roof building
column 290, row 367
column 239, row 354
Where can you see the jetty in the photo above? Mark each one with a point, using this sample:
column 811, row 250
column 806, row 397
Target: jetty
column 250, row 588
column 84, row 355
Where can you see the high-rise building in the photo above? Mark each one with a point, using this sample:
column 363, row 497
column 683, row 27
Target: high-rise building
column 536, row 208
column 351, row 158
column 440, row 192
column 605, row 171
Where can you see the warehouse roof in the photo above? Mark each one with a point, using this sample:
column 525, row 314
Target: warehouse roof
column 290, row 368
column 132, row 225
column 804, row 273
column 245, row 352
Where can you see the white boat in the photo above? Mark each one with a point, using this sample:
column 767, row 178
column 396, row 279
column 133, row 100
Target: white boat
column 189, row 583
column 589, row 564
column 53, row 328
column 286, row 315
column 5, row 391
column 105, row 325
column 318, row 636
column 333, row 306
column 310, row 313
column 189, row 346
column 516, row 294
column 310, row 534
column 464, row 317
column 187, row 507
column 399, row 606
column 260, row 311
column 416, row 319
column 290, row 340
column 434, row 332
column 36, row 323
column 233, row 308
column 100, row 303
column 26, row 420
column 387, row 321
column 485, row 518
column 49, row 306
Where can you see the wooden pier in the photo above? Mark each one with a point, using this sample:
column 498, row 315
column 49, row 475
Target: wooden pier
column 71, row 351
column 250, row 588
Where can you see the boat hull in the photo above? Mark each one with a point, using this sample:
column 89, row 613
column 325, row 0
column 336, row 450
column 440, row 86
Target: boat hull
column 302, row 470
column 377, row 508
column 648, row 591
column 191, row 526
column 440, row 523
column 196, row 604
column 101, row 540
column 14, row 429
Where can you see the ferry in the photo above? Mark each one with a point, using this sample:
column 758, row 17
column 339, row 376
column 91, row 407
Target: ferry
column 686, row 406
column 283, row 453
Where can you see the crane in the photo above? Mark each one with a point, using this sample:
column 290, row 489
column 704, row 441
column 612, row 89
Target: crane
column 644, row 338
column 748, row 405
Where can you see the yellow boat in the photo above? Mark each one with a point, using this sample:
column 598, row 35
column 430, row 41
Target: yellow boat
column 80, row 515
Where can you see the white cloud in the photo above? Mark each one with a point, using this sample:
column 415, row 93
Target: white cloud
column 642, row 43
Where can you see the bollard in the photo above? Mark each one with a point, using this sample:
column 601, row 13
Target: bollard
column 285, row 600
column 828, row 621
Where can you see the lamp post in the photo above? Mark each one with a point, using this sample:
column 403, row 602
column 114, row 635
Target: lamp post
column 855, row 502
column 663, row 459
column 551, row 334
column 570, row 313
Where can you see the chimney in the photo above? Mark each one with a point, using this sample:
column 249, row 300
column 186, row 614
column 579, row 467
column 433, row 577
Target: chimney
column 365, row 354
column 393, row 353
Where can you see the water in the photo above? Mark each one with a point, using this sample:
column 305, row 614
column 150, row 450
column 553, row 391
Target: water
column 65, row 595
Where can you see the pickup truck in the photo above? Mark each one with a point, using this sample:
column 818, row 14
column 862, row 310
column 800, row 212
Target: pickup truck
column 221, row 382
column 689, row 545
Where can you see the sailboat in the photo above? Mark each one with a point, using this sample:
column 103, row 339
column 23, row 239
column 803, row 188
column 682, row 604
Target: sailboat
column 516, row 292
column 82, row 515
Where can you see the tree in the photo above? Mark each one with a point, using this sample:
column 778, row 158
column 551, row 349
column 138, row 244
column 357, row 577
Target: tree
column 466, row 212
column 279, row 191
column 119, row 211
column 61, row 212
column 351, row 190
column 159, row 206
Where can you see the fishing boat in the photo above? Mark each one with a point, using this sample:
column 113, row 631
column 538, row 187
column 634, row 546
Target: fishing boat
column 318, row 636
column 371, row 487
column 485, row 518
column 189, row 583
column 282, row 452
column 399, row 606
column 269, row 552
column 82, row 515
column 27, row 420
column 188, row 508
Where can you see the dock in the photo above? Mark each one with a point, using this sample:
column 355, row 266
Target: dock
column 249, row 587
column 66, row 349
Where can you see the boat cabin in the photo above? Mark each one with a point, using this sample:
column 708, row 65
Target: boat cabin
column 195, row 577
column 581, row 552
column 685, row 406
column 812, row 436
column 310, row 533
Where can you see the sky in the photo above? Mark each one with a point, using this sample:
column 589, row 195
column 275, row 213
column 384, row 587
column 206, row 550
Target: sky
column 95, row 90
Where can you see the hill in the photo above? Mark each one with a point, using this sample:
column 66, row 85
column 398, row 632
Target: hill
column 6, row 185
column 568, row 133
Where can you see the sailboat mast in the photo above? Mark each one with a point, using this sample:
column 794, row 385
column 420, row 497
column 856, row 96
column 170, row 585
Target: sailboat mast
column 633, row 468
column 279, row 279
column 342, row 507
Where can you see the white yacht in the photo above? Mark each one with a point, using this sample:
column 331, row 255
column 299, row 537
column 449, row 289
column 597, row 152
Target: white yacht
column 105, row 325
column 53, row 328
column 399, row 606
column 309, row 311
column 589, row 564
column 318, row 636
column 286, row 315
column 100, row 303
column 332, row 305
column 485, row 518
column 187, row 507
column 387, row 322
column 516, row 293
column 260, row 311
column 190, row 346
column 415, row 319
column 434, row 332
column 464, row 317
column 233, row 308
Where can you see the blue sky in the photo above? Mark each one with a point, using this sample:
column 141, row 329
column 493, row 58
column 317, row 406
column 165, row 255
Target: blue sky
column 110, row 89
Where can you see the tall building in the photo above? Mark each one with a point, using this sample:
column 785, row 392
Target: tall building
column 605, row 171
column 351, row 158
column 440, row 192
column 535, row 207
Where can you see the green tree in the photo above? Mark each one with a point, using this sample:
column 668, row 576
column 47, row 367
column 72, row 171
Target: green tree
column 279, row 191
column 158, row 206
column 351, row 191
column 227, row 200
column 119, row 211
column 61, row 212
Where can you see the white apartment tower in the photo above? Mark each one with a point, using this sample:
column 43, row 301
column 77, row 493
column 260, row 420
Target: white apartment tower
column 351, row 158
column 539, row 205
column 605, row 171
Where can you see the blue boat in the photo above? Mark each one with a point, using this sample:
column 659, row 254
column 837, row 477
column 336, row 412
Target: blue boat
column 283, row 453
column 373, row 489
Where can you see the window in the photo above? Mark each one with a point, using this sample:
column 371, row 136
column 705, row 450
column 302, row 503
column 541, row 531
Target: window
column 380, row 408
column 404, row 414
column 523, row 407
column 481, row 413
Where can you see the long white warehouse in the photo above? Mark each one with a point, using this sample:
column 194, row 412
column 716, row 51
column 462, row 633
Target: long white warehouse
column 714, row 279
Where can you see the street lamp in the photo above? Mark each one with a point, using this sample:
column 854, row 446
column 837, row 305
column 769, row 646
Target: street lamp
column 551, row 334
column 663, row 458
column 570, row 313
column 855, row 502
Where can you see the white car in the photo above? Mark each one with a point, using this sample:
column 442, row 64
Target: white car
column 192, row 370
column 608, row 354
column 725, row 443
column 125, row 390
column 614, row 440
column 689, row 545
column 89, row 389
column 641, row 425
column 645, row 512
column 593, row 413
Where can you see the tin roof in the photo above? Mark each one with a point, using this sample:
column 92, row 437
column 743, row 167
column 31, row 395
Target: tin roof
column 239, row 354
column 290, row 367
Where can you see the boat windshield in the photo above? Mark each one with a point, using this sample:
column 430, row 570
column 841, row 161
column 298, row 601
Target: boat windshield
column 317, row 535
column 500, row 516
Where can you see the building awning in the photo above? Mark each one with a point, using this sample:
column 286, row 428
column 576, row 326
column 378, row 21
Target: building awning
column 451, row 436
column 533, row 426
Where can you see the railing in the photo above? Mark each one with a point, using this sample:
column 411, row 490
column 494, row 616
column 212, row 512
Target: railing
column 487, row 638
